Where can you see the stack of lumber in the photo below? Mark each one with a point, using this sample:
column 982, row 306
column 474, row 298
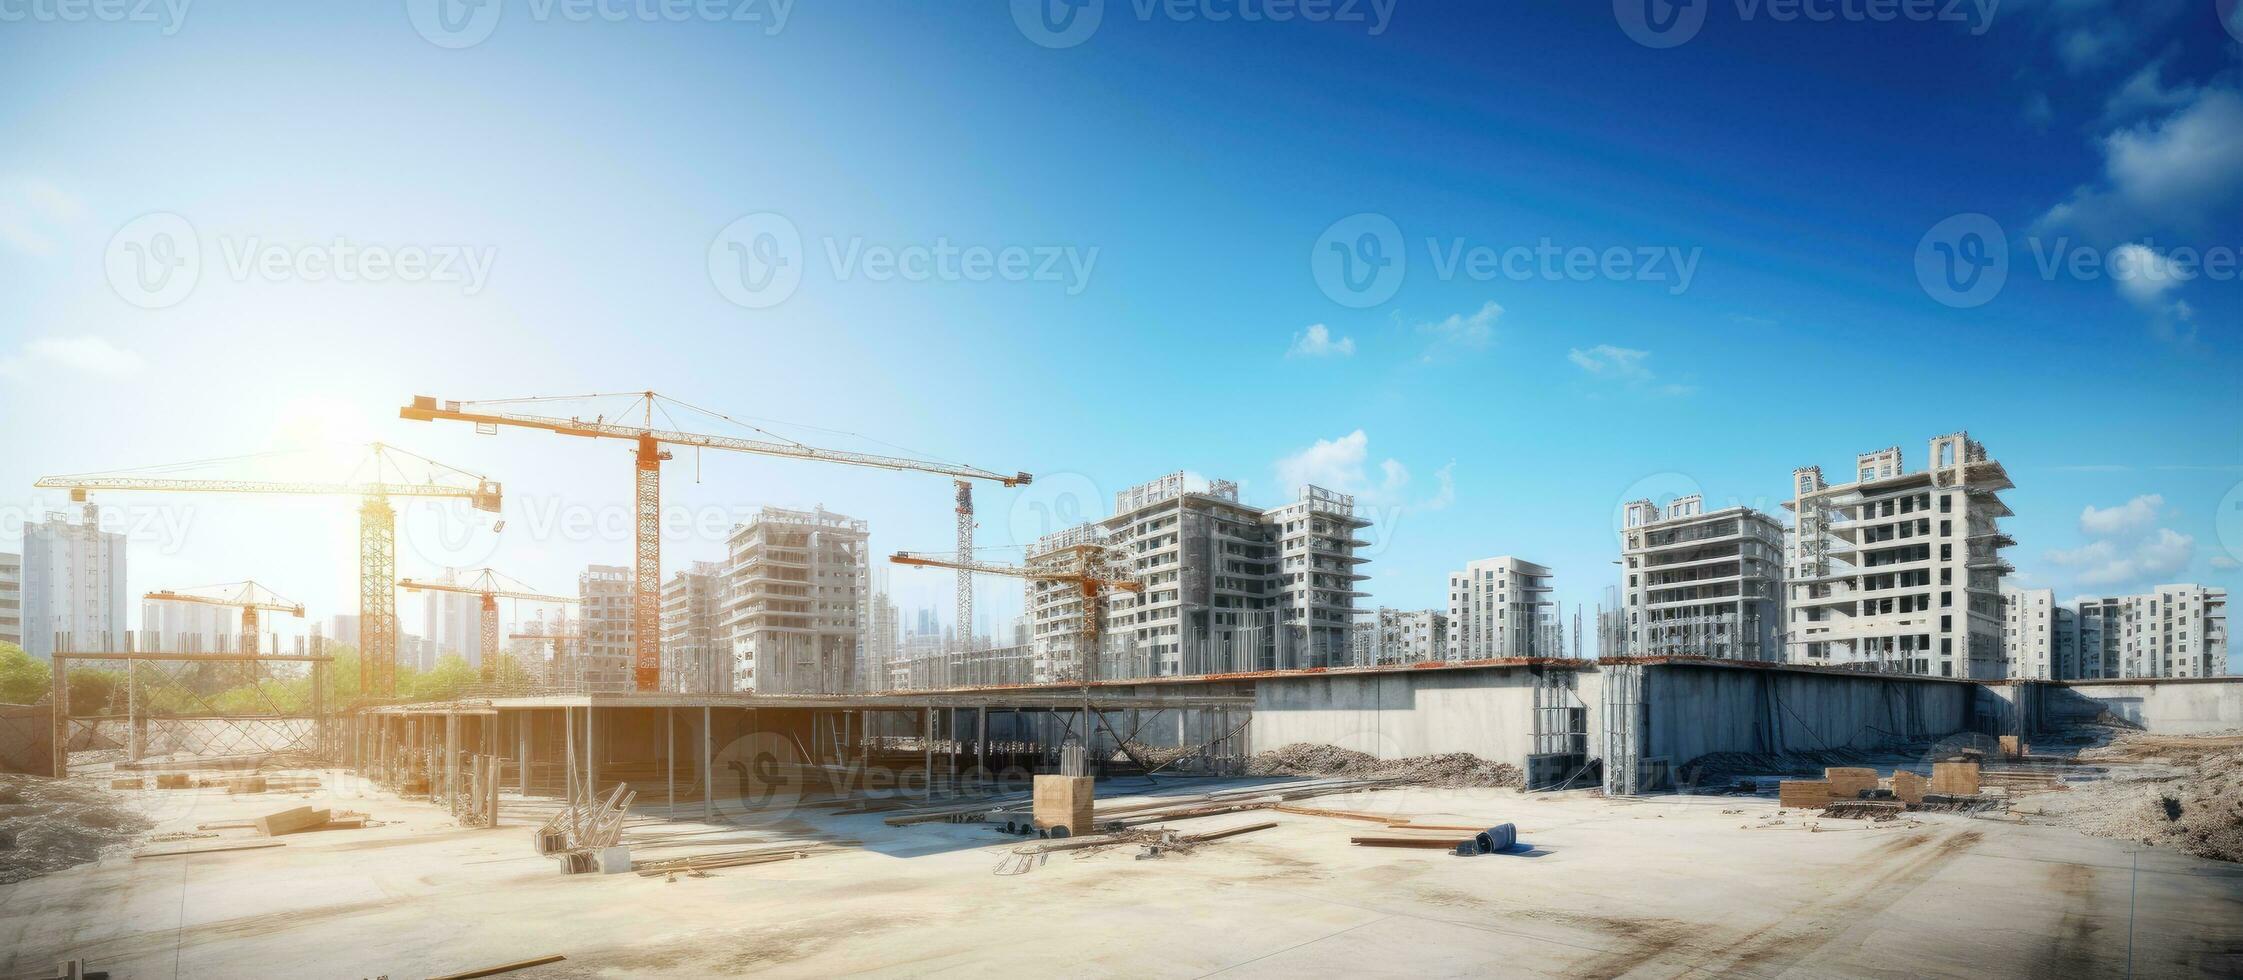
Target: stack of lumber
column 245, row 784
column 173, row 780
column 1954, row 778
column 1847, row 783
column 134, row 782
column 737, row 859
column 291, row 821
column 1908, row 787
column 1813, row 794
column 2018, row 781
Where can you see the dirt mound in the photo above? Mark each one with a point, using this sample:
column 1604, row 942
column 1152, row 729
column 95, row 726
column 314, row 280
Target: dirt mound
column 1448, row 769
column 47, row 825
column 2182, row 792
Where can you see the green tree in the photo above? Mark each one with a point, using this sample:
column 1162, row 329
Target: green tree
column 450, row 676
column 22, row 679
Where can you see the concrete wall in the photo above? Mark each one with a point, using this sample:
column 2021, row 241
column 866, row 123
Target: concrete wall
column 2166, row 707
column 1691, row 710
column 1486, row 711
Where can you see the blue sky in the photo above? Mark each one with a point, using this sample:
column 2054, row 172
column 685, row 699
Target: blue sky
column 1163, row 191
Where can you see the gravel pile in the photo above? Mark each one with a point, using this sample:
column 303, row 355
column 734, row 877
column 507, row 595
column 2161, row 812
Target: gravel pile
column 47, row 825
column 2182, row 792
column 1453, row 769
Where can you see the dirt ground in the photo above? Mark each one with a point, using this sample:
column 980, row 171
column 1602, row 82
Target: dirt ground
column 2183, row 792
column 1659, row 887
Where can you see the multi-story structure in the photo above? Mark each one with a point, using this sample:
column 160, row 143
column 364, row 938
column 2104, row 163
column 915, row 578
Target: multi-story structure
column 795, row 601
column 603, row 661
column 696, row 657
column 2031, row 634
column 73, row 585
column 1500, row 607
column 2176, row 631
column 11, row 598
column 1054, row 610
column 1401, row 636
column 452, row 622
column 343, row 629
column 883, row 642
column 1898, row 571
column 1700, row 584
column 1228, row 586
column 186, row 627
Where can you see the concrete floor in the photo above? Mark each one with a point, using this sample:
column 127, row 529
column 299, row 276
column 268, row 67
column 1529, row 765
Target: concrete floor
column 1659, row 888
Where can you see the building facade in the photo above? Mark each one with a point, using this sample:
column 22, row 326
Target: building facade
column 2031, row 635
column 1901, row 572
column 73, row 586
column 1401, row 636
column 1698, row 584
column 2175, row 631
column 695, row 657
column 795, row 601
column 11, row 598
column 603, row 661
column 883, row 643
column 1500, row 607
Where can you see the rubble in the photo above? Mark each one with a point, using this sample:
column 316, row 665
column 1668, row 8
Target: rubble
column 1452, row 769
column 2182, row 792
column 47, row 825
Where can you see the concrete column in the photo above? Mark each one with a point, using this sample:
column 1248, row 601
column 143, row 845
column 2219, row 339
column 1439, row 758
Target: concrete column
column 981, row 741
column 522, row 722
column 452, row 762
column 670, row 755
column 927, row 745
column 591, row 751
column 708, row 778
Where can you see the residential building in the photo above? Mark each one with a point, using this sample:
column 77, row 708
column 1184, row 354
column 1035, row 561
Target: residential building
column 1698, row 584
column 1901, row 572
column 604, row 661
column 2101, row 628
column 795, row 601
column 883, row 642
column 2175, row 631
column 73, row 585
column 1500, row 607
column 11, row 598
column 2031, row 634
column 696, row 654
column 1401, row 636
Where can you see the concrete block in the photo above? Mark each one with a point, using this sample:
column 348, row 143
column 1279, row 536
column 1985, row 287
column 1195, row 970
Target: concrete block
column 615, row 860
column 1064, row 801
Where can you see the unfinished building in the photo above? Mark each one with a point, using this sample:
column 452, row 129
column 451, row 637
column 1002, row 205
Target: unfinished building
column 696, row 657
column 1400, row 636
column 2175, row 631
column 601, row 661
column 1702, row 584
column 1500, row 607
column 796, row 601
column 1900, row 572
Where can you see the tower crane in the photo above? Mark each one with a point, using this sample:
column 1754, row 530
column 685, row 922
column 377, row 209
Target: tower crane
column 485, row 583
column 646, row 598
column 382, row 474
column 1086, row 566
column 249, row 597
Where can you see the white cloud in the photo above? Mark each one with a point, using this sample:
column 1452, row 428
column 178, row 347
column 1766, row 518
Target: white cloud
column 1624, row 365
column 1446, row 495
column 33, row 213
column 2145, row 92
column 2106, row 562
column 2143, row 274
column 1317, row 341
column 2225, row 563
column 2170, row 171
column 2085, row 48
column 1461, row 331
column 1612, row 362
column 1338, row 464
column 2128, row 518
column 84, row 355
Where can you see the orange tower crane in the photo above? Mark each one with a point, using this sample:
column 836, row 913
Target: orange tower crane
column 1087, row 566
column 385, row 472
column 485, row 583
column 249, row 597
column 646, row 585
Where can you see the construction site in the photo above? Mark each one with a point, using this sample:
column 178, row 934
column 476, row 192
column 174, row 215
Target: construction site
column 236, row 809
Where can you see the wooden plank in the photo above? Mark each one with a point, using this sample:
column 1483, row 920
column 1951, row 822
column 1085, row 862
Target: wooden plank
column 243, row 846
column 492, row 971
column 1310, row 811
column 1428, row 843
column 290, row 821
column 1229, row 832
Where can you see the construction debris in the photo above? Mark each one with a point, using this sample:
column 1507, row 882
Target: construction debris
column 236, row 846
column 492, row 971
column 1453, row 769
column 290, row 821
column 47, row 825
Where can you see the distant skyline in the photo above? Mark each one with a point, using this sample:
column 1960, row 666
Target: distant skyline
column 1495, row 270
